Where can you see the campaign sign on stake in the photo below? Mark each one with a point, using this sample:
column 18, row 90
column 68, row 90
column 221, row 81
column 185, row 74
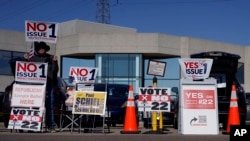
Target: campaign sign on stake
column 82, row 74
column 239, row 133
column 31, row 72
column 89, row 102
column 28, row 95
column 26, row 119
column 41, row 31
column 196, row 68
column 154, row 99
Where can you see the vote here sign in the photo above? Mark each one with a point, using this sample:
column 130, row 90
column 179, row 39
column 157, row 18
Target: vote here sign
column 154, row 99
column 28, row 95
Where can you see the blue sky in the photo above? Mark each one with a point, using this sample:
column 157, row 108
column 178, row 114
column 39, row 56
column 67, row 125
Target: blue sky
column 218, row 20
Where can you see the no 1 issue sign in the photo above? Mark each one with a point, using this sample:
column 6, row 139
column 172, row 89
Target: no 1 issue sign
column 154, row 99
column 41, row 31
column 199, row 113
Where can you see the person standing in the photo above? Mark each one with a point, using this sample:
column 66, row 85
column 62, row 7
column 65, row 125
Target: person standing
column 41, row 55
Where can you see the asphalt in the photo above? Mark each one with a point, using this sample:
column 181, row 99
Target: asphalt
column 119, row 129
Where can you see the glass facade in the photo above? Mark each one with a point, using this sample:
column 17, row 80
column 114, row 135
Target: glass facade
column 126, row 69
column 5, row 57
column 131, row 69
column 120, row 68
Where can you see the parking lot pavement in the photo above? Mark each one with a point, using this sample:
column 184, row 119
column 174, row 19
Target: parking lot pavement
column 167, row 130
column 112, row 130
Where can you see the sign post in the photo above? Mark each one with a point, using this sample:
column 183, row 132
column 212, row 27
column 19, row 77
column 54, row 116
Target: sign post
column 156, row 68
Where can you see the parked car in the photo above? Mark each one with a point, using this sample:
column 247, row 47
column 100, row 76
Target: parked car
column 248, row 108
column 6, row 104
column 224, row 69
column 1, row 109
column 169, row 118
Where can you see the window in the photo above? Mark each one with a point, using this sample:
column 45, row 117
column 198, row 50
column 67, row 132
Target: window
column 5, row 57
column 120, row 69
column 240, row 73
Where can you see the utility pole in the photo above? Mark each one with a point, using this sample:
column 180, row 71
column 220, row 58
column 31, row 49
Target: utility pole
column 103, row 11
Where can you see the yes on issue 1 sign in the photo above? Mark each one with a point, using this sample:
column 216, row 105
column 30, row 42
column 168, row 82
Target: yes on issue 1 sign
column 196, row 68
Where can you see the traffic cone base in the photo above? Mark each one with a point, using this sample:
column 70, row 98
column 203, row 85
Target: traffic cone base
column 130, row 122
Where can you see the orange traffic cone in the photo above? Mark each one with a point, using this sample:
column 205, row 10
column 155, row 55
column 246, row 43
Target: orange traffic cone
column 130, row 123
column 233, row 115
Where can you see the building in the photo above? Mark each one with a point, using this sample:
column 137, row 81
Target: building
column 113, row 49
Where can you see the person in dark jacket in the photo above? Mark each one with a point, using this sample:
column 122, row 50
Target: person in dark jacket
column 41, row 55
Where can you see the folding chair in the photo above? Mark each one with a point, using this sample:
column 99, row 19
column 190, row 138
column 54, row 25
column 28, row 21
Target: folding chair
column 69, row 120
column 85, row 121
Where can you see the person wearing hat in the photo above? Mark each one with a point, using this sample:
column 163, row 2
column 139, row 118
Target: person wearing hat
column 41, row 55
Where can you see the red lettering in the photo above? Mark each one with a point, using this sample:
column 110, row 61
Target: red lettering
column 79, row 72
column 21, row 66
column 33, row 27
column 41, row 27
column 191, row 64
column 83, row 72
column 30, row 67
column 26, row 101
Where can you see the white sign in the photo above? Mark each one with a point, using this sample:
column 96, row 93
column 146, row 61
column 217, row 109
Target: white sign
column 25, row 119
column 24, row 95
column 154, row 99
column 41, row 31
column 198, row 108
column 82, row 74
column 196, row 68
column 156, row 68
column 84, row 87
column 33, row 72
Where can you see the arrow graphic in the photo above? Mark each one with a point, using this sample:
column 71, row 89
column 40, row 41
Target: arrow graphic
column 193, row 120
